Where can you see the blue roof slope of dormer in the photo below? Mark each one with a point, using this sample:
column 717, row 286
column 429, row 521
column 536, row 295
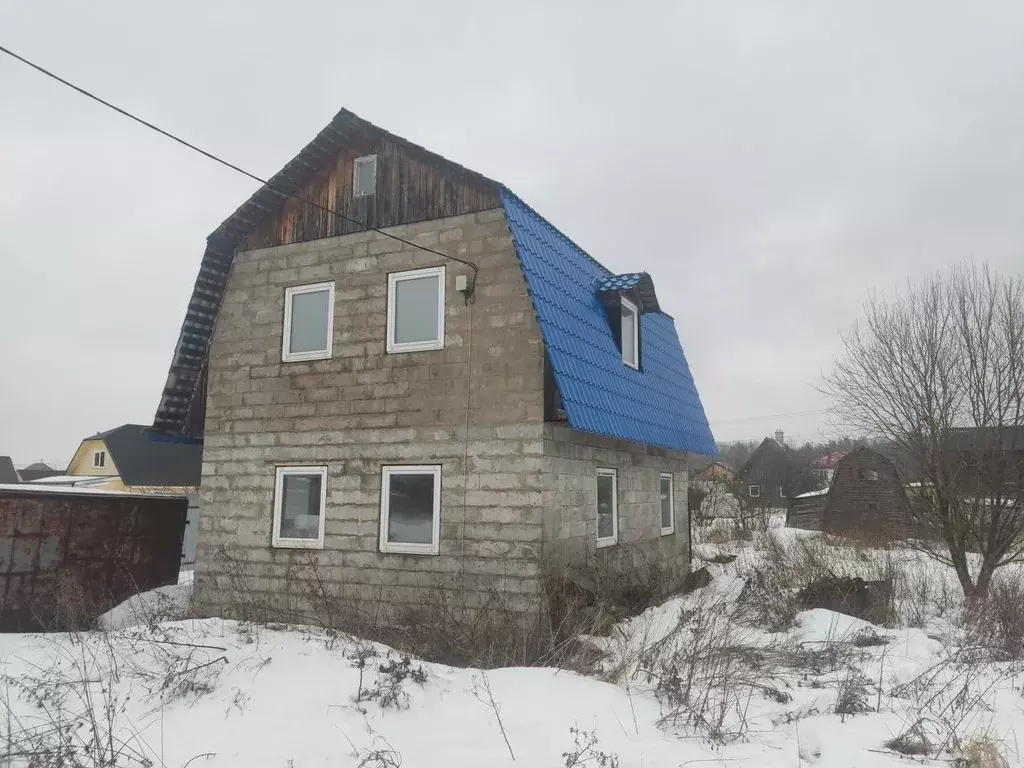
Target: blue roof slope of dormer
column 657, row 405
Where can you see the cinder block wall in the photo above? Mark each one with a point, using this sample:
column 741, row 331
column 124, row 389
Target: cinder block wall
column 570, row 523
column 365, row 408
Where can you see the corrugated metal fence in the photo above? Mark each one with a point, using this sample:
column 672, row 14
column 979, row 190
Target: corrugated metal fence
column 67, row 555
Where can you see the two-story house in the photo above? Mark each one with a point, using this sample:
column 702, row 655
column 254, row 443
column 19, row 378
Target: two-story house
column 405, row 373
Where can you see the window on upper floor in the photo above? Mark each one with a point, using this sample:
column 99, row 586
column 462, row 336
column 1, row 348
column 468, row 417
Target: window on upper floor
column 867, row 474
column 99, row 459
column 308, row 322
column 410, row 509
column 300, row 498
column 607, row 508
column 630, row 334
column 364, row 176
column 754, row 491
column 416, row 310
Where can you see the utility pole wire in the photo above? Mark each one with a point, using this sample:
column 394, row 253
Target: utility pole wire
column 226, row 163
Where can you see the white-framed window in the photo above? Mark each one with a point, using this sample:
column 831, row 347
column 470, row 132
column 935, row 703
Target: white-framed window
column 99, row 458
column 364, row 176
column 867, row 474
column 607, row 507
column 754, row 491
column 630, row 333
column 410, row 509
column 300, row 500
column 668, row 504
column 416, row 310
column 308, row 322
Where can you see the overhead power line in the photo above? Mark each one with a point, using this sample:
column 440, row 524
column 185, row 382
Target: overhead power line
column 226, row 163
column 770, row 416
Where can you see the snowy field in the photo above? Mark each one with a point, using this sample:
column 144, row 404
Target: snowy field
column 696, row 681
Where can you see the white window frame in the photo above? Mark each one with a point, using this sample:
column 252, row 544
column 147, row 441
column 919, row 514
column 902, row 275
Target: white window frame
column 635, row 310
column 415, row 346
column 671, row 502
column 276, row 539
column 99, row 459
column 754, row 491
column 317, row 354
column 360, row 161
column 394, row 547
column 608, row 541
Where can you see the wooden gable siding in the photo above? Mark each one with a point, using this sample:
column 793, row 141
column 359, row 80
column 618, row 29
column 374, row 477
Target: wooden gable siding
column 411, row 186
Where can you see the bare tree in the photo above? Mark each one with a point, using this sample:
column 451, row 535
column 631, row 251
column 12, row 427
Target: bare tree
column 938, row 373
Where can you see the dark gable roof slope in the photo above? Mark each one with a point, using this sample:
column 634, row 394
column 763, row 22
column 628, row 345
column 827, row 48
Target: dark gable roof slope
column 145, row 457
column 37, row 471
column 657, row 405
column 7, row 474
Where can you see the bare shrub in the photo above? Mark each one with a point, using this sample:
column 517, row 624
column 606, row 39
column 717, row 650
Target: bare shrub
column 981, row 752
column 997, row 622
column 170, row 663
column 701, row 672
column 389, row 689
column 78, row 719
column 853, row 694
column 948, row 700
column 585, row 752
column 766, row 602
column 868, row 637
column 911, row 742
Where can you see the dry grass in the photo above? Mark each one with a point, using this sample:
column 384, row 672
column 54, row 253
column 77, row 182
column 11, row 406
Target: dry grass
column 449, row 627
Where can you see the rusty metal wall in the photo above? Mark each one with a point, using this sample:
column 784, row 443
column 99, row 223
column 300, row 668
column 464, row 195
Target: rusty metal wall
column 66, row 557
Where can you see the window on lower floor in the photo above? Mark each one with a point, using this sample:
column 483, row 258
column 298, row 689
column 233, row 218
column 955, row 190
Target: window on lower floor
column 99, row 458
column 668, row 505
column 300, row 496
column 607, row 508
column 754, row 491
column 410, row 509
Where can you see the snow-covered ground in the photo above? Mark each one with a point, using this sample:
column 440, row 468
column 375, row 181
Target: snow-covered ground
column 217, row 693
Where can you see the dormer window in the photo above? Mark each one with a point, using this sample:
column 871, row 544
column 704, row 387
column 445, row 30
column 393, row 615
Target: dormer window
column 364, row 176
column 630, row 333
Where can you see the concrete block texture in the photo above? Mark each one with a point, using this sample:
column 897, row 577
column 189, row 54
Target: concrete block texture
column 515, row 492
column 570, row 511
column 474, row 407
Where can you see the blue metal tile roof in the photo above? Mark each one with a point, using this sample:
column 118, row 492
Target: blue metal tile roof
column 619, row 282
column 657, row 405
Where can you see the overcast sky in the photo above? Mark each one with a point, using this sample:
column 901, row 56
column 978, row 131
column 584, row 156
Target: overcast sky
column 768, row 163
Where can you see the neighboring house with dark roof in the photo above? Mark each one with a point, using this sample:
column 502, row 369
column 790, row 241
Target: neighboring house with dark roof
column 764, row 480
column 8, row 475
column 433, row 388
column 37, row 471
column 137, row 458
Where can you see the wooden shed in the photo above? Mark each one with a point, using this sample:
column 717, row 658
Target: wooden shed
column 804, row 511
column 866, row 498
